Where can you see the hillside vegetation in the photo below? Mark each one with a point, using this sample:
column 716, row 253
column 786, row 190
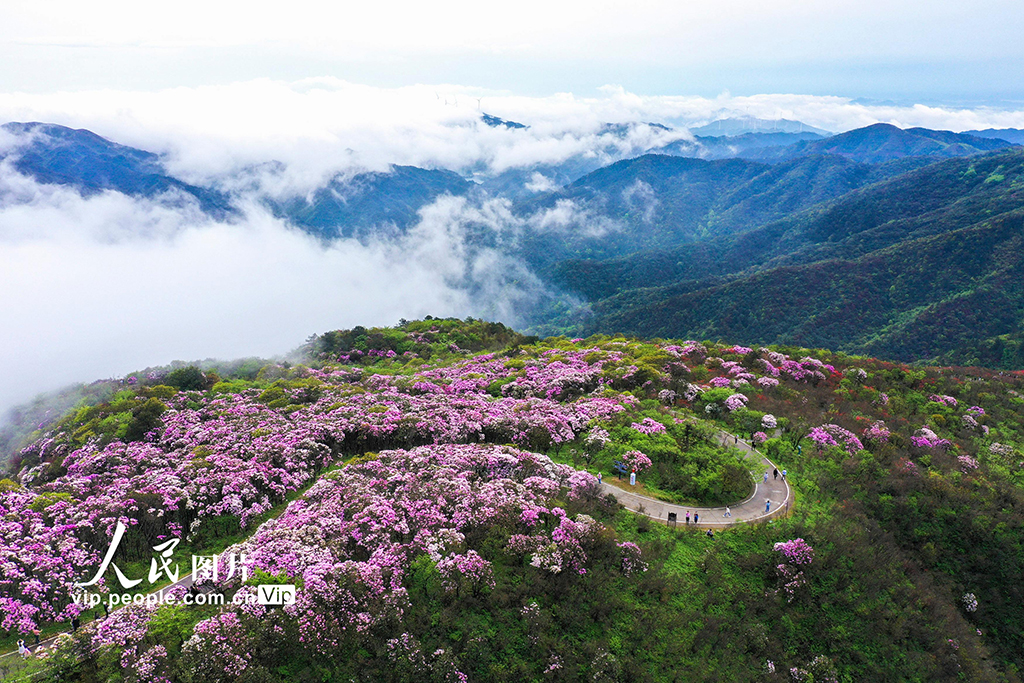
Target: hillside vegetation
column 924, row 265
column 443, row 521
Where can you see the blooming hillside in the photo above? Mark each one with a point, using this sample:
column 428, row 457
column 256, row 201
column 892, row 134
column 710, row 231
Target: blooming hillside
column 445, row 520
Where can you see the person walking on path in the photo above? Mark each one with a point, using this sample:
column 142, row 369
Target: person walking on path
column 783, row 474
column 687, row 516
column 775, row 473
column 23, row 651
column 598, row 478
column 766, row 476
column 696, row 516
column 767, row 505
column 728, row 512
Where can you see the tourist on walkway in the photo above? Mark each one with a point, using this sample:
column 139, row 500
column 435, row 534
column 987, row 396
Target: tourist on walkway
column 687, row 516
column 783, row 474
column 23, row 651
column 766, row 476
column 696, row 517
column 728, row 512
column 767, row 505
column 775, row 473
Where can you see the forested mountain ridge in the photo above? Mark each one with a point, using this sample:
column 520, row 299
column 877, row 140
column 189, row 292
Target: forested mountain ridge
column 663, row 201
column 884, row 142
column 957, row 219
column 90, row 164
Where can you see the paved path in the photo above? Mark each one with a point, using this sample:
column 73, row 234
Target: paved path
column 750, row 510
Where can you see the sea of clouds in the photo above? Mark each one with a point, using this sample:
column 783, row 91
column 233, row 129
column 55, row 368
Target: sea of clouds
column 98, row 286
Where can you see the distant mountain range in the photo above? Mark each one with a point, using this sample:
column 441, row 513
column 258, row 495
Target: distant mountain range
column 358, row 205
column 91, row 164
column 662, row 201
column 370, row 203
column 884, row 142
column 1014, row 135
column 899, row 243
column 925, row 264
column 745, row 125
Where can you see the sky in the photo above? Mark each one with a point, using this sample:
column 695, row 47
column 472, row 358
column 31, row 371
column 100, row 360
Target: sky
column 935, row 51
column 101, row 286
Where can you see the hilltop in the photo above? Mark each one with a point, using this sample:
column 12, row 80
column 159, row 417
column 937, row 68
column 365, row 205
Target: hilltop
column 431, row 490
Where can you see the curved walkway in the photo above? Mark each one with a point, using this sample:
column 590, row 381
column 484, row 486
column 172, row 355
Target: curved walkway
column 750, row 510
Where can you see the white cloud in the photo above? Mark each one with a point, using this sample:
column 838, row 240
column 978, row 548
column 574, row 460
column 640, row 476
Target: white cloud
column 540, row 183
column 102, row 286
column 569, row 216
column 318, row 127
column 108, row 284
column 640, row 196
column 653, row 31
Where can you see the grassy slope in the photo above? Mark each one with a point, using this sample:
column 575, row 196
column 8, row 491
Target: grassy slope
column 893, row 554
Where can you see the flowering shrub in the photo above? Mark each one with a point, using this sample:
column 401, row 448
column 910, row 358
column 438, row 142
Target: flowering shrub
column 926, row 438
column 770, row 368
column 1000, row 449
column 877, row 433
column 597, row 439
column 970, row 602
column 635, row 461
column 805, row 370
column 735, row 402
column 796, row 551
column 631, row 562
column 582, row 485
column 908, row 466
column 352, row 537
column 219, row 647
column 796, row 554
column 649, row 426
column 967, row 463
column 739, row 350
column 469, row 567
column 833, row 435
column 433, row 509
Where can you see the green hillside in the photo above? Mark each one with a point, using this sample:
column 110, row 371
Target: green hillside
column 924, row 265
column 436, row 508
